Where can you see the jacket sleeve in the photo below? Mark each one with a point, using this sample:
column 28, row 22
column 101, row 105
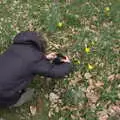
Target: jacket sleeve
column 47, row 69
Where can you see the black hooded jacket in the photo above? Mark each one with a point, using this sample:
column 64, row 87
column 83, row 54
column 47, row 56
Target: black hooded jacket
column 21, row 62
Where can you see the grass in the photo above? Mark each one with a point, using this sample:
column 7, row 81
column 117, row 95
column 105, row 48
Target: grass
column 92, row 24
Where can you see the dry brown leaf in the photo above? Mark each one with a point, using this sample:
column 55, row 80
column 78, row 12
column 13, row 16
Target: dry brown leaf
column 87, row 75
column 117, row 103
column 111, row 77
column 77, row 79
column 114, row 77
column 91, row 84
column 94, row 18
column 116, row 108
column 113, row 110
column 117, row 76
column 102, row 115
column 71, row 108
column 116, row 49
column 99, row 84
column 33, row 110
column 73, row 117
column 53, row 97
column 92, row 96
column 110, row 111
column 74, row 82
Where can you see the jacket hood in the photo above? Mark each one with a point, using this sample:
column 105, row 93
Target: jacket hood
column 29, row 37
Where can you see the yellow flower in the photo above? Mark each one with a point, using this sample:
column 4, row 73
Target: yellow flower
column 87, row 49
column 90, row 67
column 60, row 24
column 106, row 9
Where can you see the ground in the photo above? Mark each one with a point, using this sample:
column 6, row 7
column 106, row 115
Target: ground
column 88, row 31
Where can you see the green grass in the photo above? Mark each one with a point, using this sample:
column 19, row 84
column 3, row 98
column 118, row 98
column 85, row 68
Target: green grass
column 86, row 23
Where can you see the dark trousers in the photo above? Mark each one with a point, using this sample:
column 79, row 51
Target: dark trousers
column 8, row 101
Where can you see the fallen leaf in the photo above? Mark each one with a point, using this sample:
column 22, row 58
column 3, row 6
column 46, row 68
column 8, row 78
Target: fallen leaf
column 111, row 77
column 117, row 103
column 99, row 84
column 57, row 109
column 74, row 82
column 50, row 113
column 53, row 97
column 77, row 79
column 33, row 110
column 87, row 75
column 73, row 117
column 113, row 110
column 116, row 108
column 71, row 108
column 92, row 96
column 102, row 115
column 91, row 84
column 114, row 77
column 117, row 76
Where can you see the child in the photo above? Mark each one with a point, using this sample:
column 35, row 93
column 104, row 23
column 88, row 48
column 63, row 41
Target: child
column 21, row 62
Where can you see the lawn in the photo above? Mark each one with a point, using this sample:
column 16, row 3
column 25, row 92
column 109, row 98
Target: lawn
column 88, row 31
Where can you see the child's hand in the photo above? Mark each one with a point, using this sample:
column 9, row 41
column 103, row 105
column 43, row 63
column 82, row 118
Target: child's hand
column 66, row 60
column 51, row 56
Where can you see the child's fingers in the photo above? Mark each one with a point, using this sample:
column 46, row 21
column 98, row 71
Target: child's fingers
column 51, row 55
column 66, row 59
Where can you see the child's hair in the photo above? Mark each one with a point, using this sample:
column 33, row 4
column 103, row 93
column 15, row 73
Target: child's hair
column 42, row 42
column 31, row 37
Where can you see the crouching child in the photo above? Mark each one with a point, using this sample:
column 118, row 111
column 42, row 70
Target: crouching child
column 24, row 59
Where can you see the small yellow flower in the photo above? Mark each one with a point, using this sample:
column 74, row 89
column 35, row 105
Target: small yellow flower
column 60, row 24
column 90, row 67
column 106, row 9
column 87, row 49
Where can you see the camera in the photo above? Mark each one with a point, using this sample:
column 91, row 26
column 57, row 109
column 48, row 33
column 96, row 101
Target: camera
column 58, row 59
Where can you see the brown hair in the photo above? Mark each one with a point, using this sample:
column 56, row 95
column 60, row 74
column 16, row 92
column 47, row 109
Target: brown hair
column 42, row 42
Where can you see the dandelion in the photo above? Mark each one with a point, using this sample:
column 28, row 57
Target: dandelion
column 90, row 67
column 106, row 9
column 87, row 49
column 60, row 24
